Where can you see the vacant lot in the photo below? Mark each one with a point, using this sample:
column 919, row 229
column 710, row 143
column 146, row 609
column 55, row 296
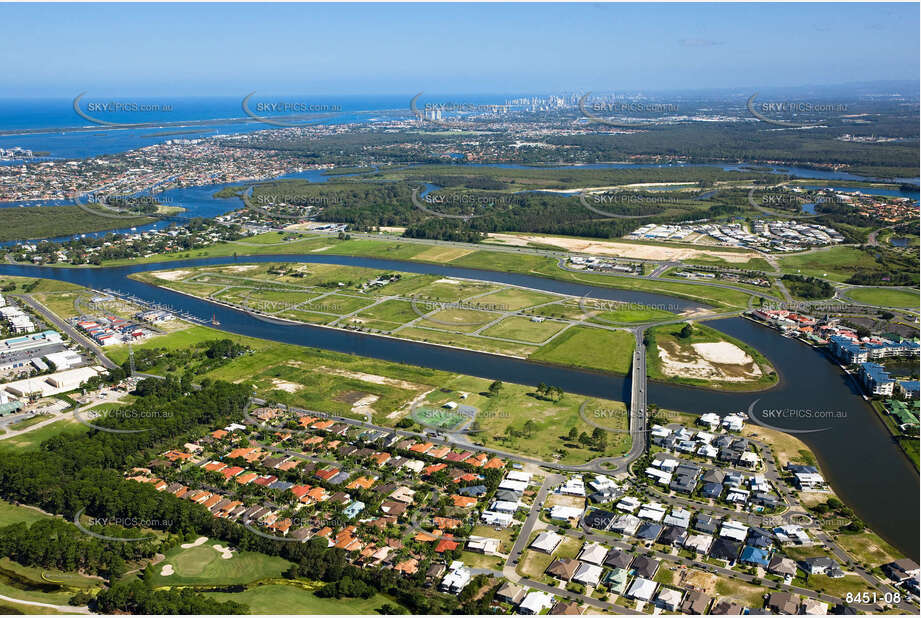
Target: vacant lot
column 524, row 329
column 884, row 298
column 593, row 348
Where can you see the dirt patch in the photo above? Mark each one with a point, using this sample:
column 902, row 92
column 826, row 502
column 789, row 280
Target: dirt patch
column 722, row 361
column 241, row 268
column 698, row 580
column 564, row 500
column 623, row 249
column 171, row 275
column 418, row 399
column 350, row 397
column 363, row 405
column 365, row 377
column 284, row 385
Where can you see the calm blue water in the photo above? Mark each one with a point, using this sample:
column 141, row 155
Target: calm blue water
column 55, row 118
column 913, row 194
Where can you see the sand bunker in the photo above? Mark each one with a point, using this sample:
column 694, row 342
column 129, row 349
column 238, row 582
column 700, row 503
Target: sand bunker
column 226, row 552
column 722, row 361
column 171, row 275
column 199, row 541
column 167, row 569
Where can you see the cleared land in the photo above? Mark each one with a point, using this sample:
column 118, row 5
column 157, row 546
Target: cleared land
column 884, row 298
column 605, row 350
column 706, row 358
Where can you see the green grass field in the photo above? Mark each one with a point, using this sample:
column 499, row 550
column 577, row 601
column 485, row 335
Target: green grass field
column 592, row 348
column 13, row 514
column 30, row 440
column 835, row 263
column 203, row 566
column 885, row 298
column 552, row 421
column 293, row 600
column 523, row 329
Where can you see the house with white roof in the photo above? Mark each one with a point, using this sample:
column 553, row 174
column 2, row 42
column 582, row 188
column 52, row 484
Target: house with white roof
column 535, row 603
column 733, row 530
column 642, row 589
column 593, row 553
column 546, row 542
column 587, row 574
column 652, row 511
column 559, row 512
column 710, row 419
column 572, row 487
column 628, row 504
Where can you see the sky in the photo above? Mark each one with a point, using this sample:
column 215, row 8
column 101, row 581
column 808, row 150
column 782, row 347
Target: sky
column 228, row 49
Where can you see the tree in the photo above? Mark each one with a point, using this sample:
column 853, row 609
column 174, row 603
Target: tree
column 529, row 427
column 573, row 433
column 686, row 331
column 494, row 388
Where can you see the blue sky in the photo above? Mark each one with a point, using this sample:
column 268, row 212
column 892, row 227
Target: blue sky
column 214, row 49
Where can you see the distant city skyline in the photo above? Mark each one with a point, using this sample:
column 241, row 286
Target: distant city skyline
column 232, row 49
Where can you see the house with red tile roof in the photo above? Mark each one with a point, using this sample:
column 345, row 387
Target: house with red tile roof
column 291, row 464
column 445, row 544
column 232, row 471
column 380, row 458
column 214, row 466
column 327, row 473
column 434, row 468
column 362, row 482
column 212, row 501
column 421, row 447
column 323, row 425
column 219, row 434
column 446, row 523
column 439, row 452
column 463, row 502
column 300, row 491
column 458, row 457
column 494, row 463
column 246, row 478
column 408, row 567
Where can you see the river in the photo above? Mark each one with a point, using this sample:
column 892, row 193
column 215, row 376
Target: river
column 857, row 455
